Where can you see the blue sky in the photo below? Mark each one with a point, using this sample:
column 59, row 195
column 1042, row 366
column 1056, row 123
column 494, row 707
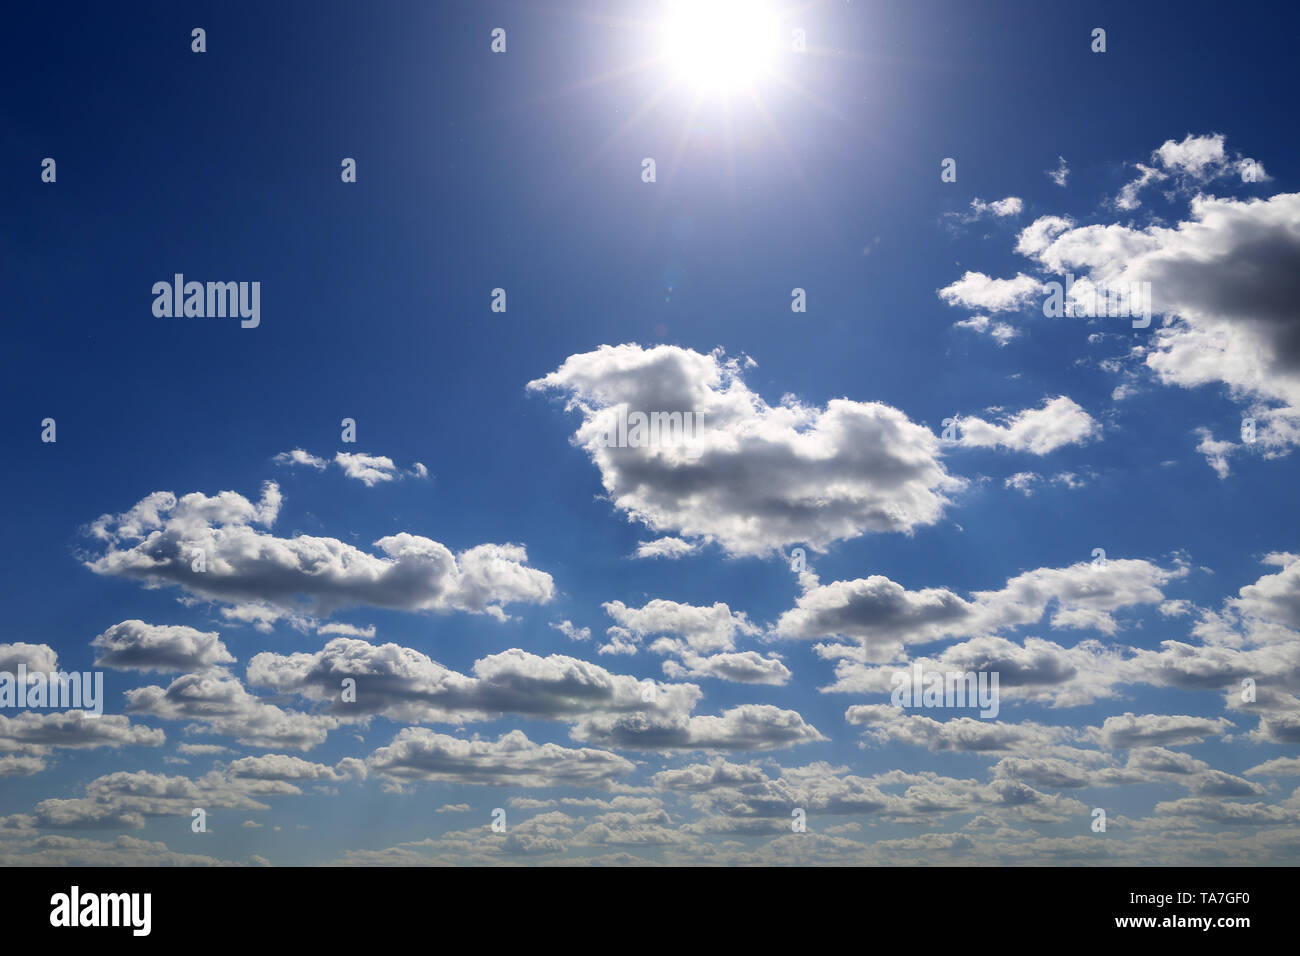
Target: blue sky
column 522, row 170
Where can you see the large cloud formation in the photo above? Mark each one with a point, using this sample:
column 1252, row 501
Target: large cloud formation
column 757, row 478
column 1226, row 280
column 211, row 548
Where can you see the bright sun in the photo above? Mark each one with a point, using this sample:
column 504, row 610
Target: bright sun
column 720, row 46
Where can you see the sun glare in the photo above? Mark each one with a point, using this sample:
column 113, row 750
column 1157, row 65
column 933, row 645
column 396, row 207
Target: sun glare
column 720, row 46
